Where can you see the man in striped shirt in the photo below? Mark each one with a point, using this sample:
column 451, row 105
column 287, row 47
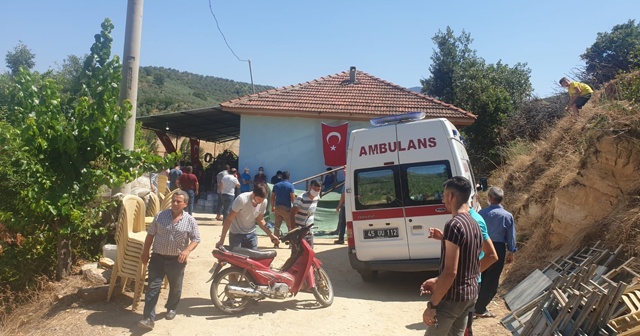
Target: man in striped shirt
column 304, row 208
column 454, row 291
column 174, row 234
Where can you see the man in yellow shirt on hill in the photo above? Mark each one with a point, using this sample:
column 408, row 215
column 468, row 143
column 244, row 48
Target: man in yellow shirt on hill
column 579, row 94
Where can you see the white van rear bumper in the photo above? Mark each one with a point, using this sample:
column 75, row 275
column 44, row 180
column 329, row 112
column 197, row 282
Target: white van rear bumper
column 407, row 265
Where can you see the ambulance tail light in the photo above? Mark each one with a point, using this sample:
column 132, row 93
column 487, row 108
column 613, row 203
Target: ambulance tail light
column 411, row 116
column 350, row 240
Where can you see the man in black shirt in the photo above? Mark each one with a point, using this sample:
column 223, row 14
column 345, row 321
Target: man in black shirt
column 454, row 291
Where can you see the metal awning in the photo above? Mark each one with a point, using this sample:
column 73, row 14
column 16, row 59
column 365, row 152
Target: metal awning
column 209, row 124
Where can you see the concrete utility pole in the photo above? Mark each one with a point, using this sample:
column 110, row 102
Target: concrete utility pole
column 130, row 69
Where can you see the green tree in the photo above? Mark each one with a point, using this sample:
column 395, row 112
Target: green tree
column 450, row 55
column 613, row 52
column 158, row 79
column 55, row 155
column 491, row 91
column 21, row 56
column 70, row 73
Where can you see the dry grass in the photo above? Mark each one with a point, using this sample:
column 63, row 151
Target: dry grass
column 532, row 179
column 40, row 304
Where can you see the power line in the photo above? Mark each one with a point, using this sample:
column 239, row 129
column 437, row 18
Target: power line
column 253, row 87
column 223, row 37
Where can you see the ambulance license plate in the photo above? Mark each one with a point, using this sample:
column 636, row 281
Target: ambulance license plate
column 381, row 233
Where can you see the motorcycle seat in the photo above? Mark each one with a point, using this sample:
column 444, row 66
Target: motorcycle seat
column 253, row 254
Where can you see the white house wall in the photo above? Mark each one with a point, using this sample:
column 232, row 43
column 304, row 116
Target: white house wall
column 278, row 143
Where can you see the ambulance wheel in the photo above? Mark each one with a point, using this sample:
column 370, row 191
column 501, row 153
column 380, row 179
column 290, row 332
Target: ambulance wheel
column 368, row 276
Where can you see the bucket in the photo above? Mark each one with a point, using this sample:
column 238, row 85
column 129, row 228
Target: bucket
column 110, row 251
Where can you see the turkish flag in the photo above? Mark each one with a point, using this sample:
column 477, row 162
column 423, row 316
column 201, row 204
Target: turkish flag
column 334, row 144
column 195, row 151
column 166, row 141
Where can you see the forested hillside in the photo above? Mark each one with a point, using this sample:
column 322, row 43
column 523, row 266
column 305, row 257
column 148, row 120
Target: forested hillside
column 163, row 90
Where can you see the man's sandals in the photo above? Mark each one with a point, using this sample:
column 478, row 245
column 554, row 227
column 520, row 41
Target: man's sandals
column 483, row 315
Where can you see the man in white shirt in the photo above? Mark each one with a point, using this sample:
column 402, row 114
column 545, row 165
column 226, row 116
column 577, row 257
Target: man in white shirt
column 247, row 210
column 228, row 186
column 223, row 171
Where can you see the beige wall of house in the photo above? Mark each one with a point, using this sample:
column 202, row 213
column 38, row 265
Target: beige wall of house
column 207, row 147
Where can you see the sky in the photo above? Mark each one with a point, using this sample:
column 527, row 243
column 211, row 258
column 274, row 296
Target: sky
column 294, row 41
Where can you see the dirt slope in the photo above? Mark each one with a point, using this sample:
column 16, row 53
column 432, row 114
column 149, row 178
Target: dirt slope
column 578, row 185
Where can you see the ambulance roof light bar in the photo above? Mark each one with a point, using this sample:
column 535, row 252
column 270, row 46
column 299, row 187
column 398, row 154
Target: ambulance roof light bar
column 398, row 118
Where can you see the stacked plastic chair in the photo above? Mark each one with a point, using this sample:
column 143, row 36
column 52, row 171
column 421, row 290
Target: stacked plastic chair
column 163, row 184
column 130, row 237
column 153, row 207
column 166, row 202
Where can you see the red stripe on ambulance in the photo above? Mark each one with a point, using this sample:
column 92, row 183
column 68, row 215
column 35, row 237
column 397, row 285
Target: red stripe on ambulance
column 427, row 210
column 377, row 214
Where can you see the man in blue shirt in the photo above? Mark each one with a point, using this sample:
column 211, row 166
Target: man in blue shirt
column 502, row 230
column 282, row 196
column 174, row 174
column 245, row 181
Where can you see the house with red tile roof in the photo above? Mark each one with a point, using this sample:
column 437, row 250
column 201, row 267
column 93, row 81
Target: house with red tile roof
column 280, row 129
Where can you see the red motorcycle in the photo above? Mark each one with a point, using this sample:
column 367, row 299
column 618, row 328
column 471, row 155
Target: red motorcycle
column 250, row 277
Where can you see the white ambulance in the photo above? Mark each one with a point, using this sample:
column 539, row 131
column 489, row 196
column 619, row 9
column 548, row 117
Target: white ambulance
column 393, row 191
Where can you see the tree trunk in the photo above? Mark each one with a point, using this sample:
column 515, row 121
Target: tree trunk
column 63, row 268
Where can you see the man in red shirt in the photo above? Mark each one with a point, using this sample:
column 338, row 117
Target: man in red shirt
column 189, row 183
column 260, row 177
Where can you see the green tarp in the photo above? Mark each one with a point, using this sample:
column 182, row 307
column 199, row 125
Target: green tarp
column 326, row 216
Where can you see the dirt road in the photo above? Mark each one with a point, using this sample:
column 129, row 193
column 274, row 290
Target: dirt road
column 391, row 306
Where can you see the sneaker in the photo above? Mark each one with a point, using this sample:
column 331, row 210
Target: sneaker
column 146, row 323
column 339, row 241
column 171, row 315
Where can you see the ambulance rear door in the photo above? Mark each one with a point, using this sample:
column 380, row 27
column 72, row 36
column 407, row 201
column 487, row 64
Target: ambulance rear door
column 375, row 194
column 425, row 164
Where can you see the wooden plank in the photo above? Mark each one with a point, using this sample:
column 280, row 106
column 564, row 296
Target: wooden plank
column 626, row 322
column 585, row 313
column 631, row 332
column 527, row 290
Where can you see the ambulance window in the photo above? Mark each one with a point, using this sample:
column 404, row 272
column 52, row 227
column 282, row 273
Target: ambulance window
column 376, row 188
column 424, row 182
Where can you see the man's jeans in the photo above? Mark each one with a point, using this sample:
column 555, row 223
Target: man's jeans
column 192, row 200
column 452, row 318
column 248, row 240
column 219, row 205
column 227, row 201
column 342, row 223
column 159, row 266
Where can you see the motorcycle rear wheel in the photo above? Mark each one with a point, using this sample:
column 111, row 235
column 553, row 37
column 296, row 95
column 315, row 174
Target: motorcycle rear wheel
column 229, row 303
column 323, row 291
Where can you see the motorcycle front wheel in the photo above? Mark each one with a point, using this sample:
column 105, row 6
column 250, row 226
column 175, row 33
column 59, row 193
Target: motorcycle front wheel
column 323, row 291
column 221, row 298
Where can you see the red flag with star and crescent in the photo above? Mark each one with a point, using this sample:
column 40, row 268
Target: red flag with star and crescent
column 334, row 144
column 166, row 141
column 195, row 151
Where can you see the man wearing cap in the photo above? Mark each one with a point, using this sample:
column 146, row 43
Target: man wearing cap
column 260, row 177
column 245, row 181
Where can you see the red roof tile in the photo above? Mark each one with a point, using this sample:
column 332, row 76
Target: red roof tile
column 335, row 97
